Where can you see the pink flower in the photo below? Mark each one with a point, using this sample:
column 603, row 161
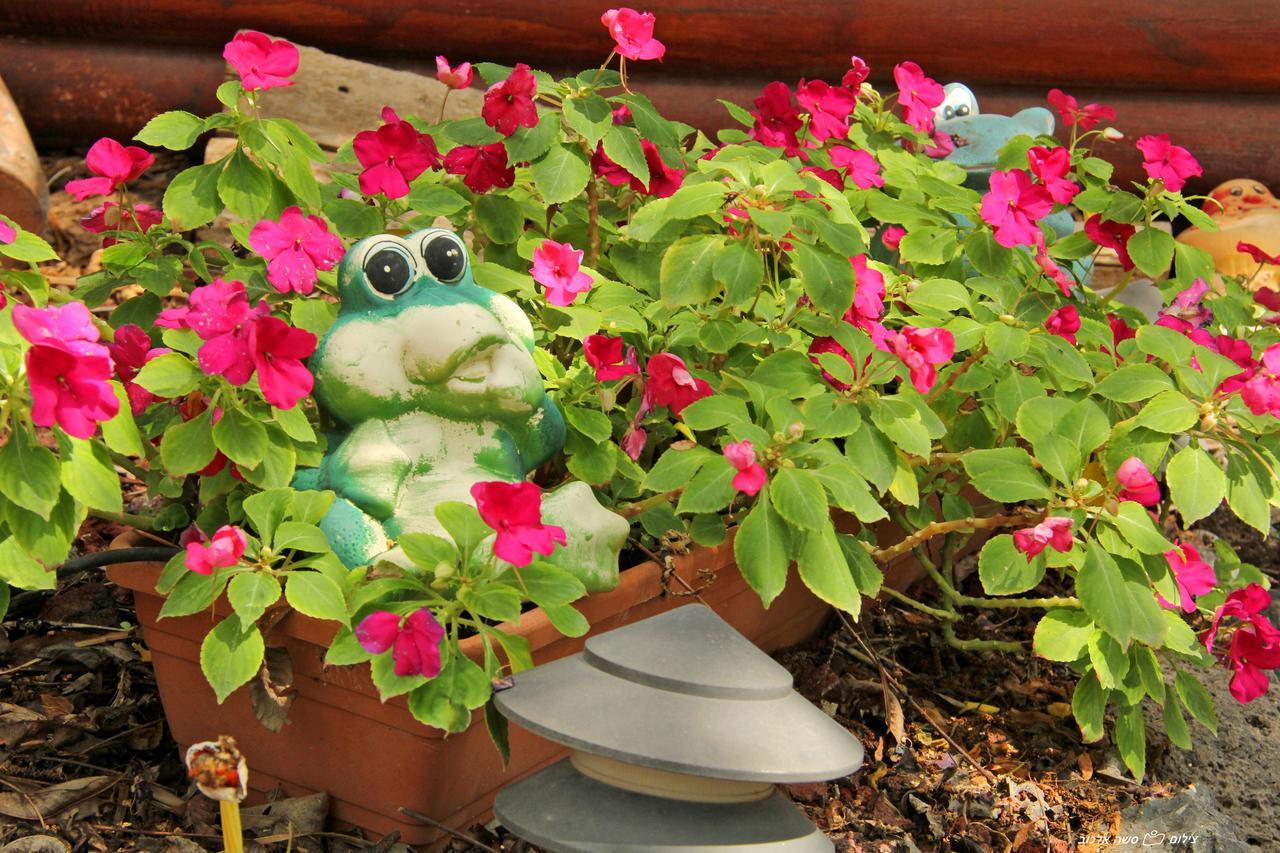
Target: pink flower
column 1261, row 392
column 1072, row 113
column 1247, row 603
column 1136, row 482
column 220, row 314
column 130, row 351
column 455, row 78
column 1251, row 655
column 633, row 32
column 751, row 475
column 415, row 644
column 514, row 511
column 393, row 155
column 1193, row 576
column 223, row 551
column 70, row 326
column 828, row 106
column 113, row 165
column 1111, row 235
column 663, row 180
column 1051, row 269
column 621, row 114
column 1051, row 166
column 482, row 167
column 295, row 248
column 671, row 384
column 856, row 75
column 1064, row 322
column 633, row 442
column 922, row 350
column 555, row 267
column 261, row 63
column 863, row 168
column 278, row 350
column 942, row 145
column 1054, row 532
column 112, row 216
column 891, row 236
column 68, row 371
column 1120, row 330
column 1188, row 305
column 831, row 345
column 1164, row 161
column 1252, row 251
column 868, row 293
column 508, row 105
column 1013, row 206
column 777, row 119
column 918, row 94
column 605, row 354
column 7, row 235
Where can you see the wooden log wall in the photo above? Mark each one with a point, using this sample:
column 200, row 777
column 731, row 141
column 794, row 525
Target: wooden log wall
column 1205, row 73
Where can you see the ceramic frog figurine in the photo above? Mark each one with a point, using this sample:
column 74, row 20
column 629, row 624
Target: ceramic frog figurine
column 978, row 138
column 432, row 380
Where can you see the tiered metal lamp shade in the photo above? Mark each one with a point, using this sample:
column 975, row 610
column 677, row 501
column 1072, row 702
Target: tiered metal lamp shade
column 680, row 729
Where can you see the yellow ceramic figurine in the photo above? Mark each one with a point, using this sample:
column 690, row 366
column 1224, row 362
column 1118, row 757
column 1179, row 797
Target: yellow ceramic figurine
column 1245, row 211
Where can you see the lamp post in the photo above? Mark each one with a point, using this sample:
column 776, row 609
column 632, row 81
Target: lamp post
column 680, row 728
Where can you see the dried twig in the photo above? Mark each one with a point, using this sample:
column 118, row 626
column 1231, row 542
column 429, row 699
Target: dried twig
column 461, row 836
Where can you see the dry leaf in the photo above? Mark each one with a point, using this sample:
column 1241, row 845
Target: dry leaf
column 45, row 803
column 270, row 693
column 1086, row 766
column 893, row 715
column 36, row 844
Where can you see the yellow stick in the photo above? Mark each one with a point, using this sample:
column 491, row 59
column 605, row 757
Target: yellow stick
column 232, row 834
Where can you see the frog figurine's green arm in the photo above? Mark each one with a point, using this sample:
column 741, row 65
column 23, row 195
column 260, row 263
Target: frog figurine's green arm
column 433, row 384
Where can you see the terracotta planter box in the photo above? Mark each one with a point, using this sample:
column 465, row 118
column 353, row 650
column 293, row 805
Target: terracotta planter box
column 372, row 757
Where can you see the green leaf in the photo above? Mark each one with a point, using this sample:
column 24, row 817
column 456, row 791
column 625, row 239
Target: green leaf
column 250, row 594
column 1119, row 599
column 188, row 447
column 1168, row 412
column 1165, row 344
column 545, row 584
column 1063, row 634
column 28, row 248
column 1137, row 527
column 427, row 550
column 711, row 488
column 592, row 423
column 245, row 188
column 242, row 438
column 1175, row 725
column 345, row 650
column 676, row 467
column 29, row 474
column 1197, row 483
column 929, row 245
column 356, row 220
column 622, row 146
column 121, row 431
column 464, row 525
column 987, row 256
column 800, row 499
column 567, row 620
column 694, row 200
column 315, row 595
column 169, row 375
column 1059, row 457
column 230, row 656
column 561, row 175
column 495, row 601
column 761, row 549
column 1089, row 704
column 1004, row 570
column 940, row 295
column 383, row 675
column 300, row 536
column 738, row 267
column 1152, row 251
column 267, row 509
column 823, row 568
column 1110, row 663
column 445, row 701
column 588, row 114
column 499, row 217
column 1133, row 383
column 176, row 130
column 1197, row 700
column 827, row 278
column 193, row 593
column 685, row 276
column 17, row 568
column 431, row 200
column 90, row 477
column 1005, row 474
column 714, row 412
column 1131, row 735
column 1246, row 496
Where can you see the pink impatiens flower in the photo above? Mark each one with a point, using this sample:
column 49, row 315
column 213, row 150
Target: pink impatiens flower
column 222, row 551
column 605, row 354
column 112, row 216
column 1164, row 161
column 862, row 167
column 751, row 475
column 831, row 345
column 919, row 96
column 220, row 314
column 295, row 248
column 1013, row 206
column 1051, row 166
column 1193, row 576
column 130, row 351
column 415, row 642
column 1064, row 322
column 778, row 120
column 508, row 105
column 671, row 384
column 1111, row 235
column 482, row 167
column 891, row 236
column 261, row 62
column 514, row 511
column 8, row 234
column 1255, row 643
column 663, row 179
column 393, row 155
column 922, row 350
column 68, row 371
column 1088, row 116
column 458, row 77
column 278, row 351
column 828, row 107
column 1257, row 254
column 1136, row 482
column 556, row 267
column 1054, row 532
column 856, row 75
column 113, row 165
column 1261, row 391
column 633, row 33
column 868, row 294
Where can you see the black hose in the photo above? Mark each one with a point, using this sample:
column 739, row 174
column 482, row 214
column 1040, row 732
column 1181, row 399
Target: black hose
column 110, row 557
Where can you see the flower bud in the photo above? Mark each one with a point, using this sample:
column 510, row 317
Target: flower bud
column 444, row 569
column 795, row 429
column 1112, row 135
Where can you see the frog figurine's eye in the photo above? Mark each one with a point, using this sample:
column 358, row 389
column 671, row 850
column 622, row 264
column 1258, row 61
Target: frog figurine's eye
column 958, row 102
column 389, row 269
column 446, row 257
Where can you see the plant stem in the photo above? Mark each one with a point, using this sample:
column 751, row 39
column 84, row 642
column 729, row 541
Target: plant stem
column 593, row 223
column 232, row 834
column 937, row 528
column 633, row 509
column 130, row 519
column 952, row 594
column 945, row 615
column 960, row 370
